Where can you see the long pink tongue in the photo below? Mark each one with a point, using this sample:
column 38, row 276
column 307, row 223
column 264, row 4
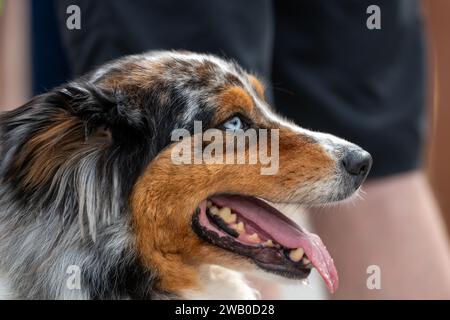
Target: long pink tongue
column 286, row 232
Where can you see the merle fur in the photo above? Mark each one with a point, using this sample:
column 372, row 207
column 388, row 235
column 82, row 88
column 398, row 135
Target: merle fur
column 39, row 231
column 82, row 216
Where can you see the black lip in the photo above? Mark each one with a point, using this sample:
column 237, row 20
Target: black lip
column 270, row 259
column 221, row 224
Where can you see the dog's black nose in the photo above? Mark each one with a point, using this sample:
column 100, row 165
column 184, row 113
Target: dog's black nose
column 357, row 162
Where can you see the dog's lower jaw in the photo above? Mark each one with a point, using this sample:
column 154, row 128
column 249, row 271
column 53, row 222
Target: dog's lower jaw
column 219, row 283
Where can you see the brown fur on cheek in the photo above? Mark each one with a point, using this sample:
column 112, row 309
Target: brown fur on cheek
column 166, row 196
column 162, row 203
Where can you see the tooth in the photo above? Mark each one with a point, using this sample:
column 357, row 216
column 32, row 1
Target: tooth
column 296, row 254
column 214, row 210
column 231, row 218
column 254, row 238
column 226, row 215
column 305, row 260
column 208, row 204
column 224, row 212
column 269, row 243
column 239, row 227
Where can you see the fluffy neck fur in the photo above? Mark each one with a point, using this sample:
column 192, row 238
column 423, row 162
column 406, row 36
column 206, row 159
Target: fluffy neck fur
column 63, row 202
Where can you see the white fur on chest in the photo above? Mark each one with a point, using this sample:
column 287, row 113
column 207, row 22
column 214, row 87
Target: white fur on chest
column 219, row 283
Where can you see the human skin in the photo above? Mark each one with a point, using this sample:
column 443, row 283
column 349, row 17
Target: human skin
column 397, row 227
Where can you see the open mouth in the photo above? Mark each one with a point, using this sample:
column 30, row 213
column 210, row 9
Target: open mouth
column 252, row 228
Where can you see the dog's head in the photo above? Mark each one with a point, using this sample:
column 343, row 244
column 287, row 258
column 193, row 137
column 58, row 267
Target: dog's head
column 111, row 143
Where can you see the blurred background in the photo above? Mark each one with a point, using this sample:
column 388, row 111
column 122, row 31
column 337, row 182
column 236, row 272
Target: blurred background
column 20, row 80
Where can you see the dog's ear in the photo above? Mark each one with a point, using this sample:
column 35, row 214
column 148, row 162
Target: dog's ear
column 73, row 117
column 82, row 104
column 102, row 110
column 77, row 148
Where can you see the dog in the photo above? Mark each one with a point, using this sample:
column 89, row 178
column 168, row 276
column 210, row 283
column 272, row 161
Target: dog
column 92, row 205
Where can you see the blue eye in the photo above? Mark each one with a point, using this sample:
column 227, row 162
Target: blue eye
column 234, row 123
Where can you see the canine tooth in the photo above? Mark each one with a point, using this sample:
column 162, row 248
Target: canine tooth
column 296, row 254
column 269, row 243
column 254, row 238
column 208, row 204
column 239, row 227
column 214, row 210
column 305, row 261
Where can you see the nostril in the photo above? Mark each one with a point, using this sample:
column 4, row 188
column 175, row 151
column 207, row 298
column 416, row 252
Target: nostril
column 363, row 169
column 345, row 163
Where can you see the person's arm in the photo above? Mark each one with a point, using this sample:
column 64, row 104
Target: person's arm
column 397, row 227
column 14, row 54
